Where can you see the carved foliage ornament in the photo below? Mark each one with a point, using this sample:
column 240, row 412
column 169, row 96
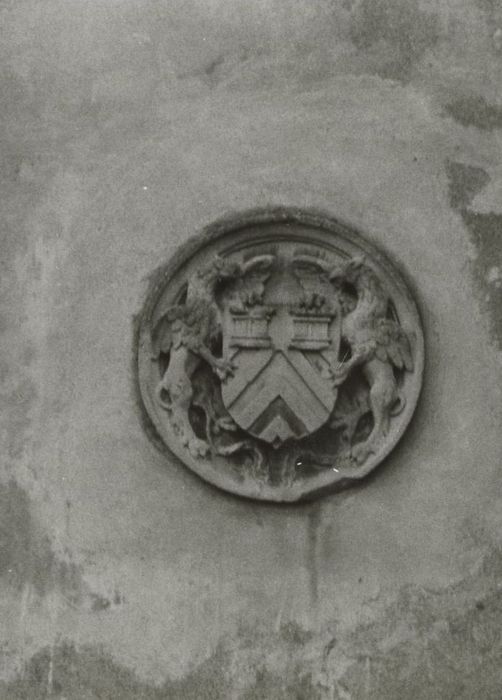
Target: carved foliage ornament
column 279, row 355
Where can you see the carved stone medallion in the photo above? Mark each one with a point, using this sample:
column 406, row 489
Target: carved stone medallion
column 279, row 354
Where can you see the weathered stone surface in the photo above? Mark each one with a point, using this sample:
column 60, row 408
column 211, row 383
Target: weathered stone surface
column 126, row 127
column 279, row 355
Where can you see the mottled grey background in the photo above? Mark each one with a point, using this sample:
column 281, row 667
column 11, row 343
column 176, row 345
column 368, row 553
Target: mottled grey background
column 127, row 126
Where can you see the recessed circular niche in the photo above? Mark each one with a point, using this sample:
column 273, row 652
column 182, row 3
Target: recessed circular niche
column 280, row 354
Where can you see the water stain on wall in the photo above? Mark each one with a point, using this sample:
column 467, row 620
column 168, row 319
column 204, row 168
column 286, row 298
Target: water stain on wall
column 402, row 26
column 465, row 181
column 26, row 556
column 433, row 644
column 475, row 111
column 92, row 674
column 429, row 643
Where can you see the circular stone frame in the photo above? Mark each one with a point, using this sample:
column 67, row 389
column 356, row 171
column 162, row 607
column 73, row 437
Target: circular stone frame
column 223, row 237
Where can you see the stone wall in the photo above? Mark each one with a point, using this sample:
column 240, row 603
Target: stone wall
column 128, row 126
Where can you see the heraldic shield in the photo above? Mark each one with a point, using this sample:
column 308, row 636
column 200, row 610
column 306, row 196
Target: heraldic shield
column 281, row 387
column 279, row 354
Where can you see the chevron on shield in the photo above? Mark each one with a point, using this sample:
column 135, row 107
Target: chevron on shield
column 280, row 389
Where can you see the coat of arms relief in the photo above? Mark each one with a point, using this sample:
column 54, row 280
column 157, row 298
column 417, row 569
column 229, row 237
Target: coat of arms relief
column 283, row 362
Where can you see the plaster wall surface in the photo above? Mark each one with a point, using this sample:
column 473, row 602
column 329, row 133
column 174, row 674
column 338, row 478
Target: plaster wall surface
column 128, row 126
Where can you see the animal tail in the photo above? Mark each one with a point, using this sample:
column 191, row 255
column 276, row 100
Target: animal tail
column 398, row 405
column 165, row 403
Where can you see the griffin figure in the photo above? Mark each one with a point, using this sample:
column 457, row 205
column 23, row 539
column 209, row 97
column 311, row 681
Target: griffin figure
column 376, row 342
column 189, row 332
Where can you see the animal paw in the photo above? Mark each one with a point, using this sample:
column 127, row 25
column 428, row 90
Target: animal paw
column 226, row 423
column 197, row 447
column 224, row 368
column 339, row 375
column 361, row 451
